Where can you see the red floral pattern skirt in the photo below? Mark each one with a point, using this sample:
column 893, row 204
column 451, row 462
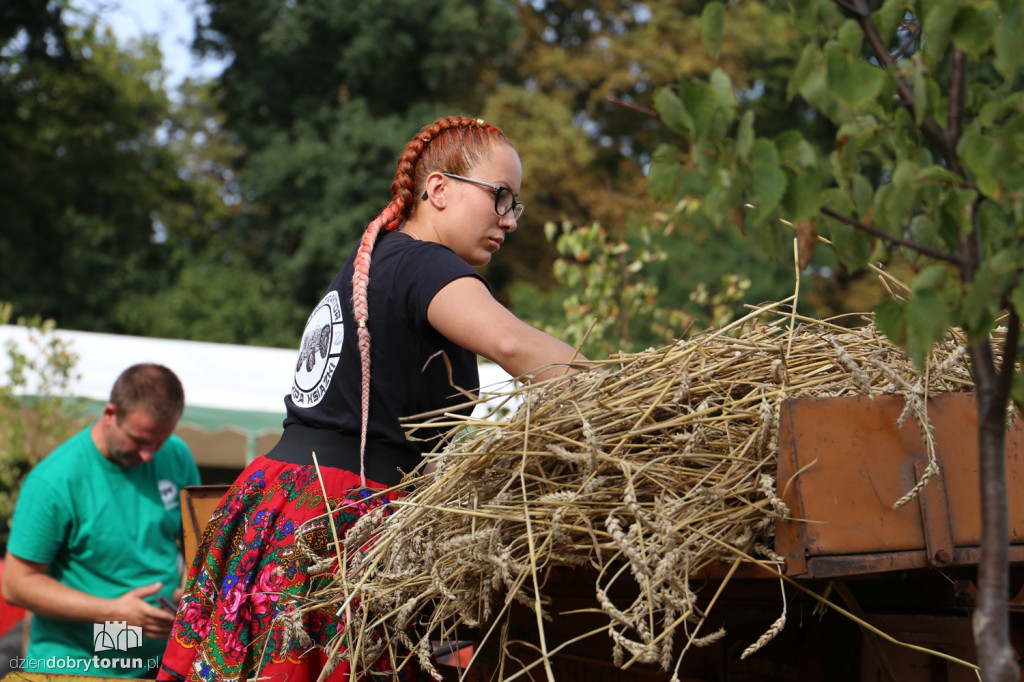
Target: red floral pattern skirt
column 251, row 568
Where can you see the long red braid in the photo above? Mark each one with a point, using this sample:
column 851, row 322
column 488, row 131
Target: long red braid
column 454, row 145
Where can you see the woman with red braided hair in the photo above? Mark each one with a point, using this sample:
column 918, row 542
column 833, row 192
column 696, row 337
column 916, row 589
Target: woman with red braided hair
column 396, row 334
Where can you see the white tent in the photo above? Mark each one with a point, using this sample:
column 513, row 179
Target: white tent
column 234, row 394
column 216, row 375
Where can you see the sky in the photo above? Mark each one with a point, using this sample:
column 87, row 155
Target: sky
column 171, row 20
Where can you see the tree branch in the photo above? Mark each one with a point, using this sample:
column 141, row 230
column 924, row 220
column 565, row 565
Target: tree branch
column 932, row 130
column 849, row 9
column 969, row 248
column 632, row 105
column 881, row 234
column 957, row 85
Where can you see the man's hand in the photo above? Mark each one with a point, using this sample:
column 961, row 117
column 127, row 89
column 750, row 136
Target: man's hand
column 133, row 608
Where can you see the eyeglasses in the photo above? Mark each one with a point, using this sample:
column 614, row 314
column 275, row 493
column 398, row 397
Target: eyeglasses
column 504, row 201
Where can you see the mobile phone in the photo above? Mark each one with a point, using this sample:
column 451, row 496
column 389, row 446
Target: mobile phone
column 166, row 604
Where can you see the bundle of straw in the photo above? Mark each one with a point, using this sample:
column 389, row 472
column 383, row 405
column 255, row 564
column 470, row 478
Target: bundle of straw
column 648, row 471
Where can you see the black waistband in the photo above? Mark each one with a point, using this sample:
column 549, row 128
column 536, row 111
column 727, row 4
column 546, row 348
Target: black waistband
column 385, row 463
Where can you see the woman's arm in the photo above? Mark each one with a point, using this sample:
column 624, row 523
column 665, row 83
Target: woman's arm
column 466, row 313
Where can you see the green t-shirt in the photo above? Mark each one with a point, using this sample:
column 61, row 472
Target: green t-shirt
column 102, row 529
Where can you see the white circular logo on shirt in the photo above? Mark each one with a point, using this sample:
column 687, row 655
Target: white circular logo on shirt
column 318, row 355
column 168, row 493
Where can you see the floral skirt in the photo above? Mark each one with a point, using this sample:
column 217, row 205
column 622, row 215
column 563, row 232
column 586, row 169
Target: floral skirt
column 248, row 583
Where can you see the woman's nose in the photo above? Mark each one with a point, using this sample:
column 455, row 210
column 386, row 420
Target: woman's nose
column 508, row 222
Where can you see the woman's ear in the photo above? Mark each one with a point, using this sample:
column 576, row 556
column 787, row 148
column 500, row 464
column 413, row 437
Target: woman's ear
column 434, row 191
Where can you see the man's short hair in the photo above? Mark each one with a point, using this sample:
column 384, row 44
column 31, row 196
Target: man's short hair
column 151, row 387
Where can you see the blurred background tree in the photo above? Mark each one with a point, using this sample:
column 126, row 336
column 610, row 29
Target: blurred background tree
column 235, row 201
column 89, row 195
column 321, row 97
column 36, row 412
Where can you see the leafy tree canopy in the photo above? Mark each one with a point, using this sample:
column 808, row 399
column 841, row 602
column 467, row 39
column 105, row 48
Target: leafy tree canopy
column 600, row 66
column 321, row 97
column 928, row 107
column 87, row 189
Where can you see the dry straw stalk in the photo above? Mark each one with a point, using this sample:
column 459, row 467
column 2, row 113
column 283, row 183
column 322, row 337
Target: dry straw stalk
column 659, row 465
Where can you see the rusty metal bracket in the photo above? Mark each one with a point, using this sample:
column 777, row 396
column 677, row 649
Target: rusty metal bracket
column 935, row 518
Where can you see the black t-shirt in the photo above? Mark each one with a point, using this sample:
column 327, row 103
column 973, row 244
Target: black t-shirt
column 409, row 369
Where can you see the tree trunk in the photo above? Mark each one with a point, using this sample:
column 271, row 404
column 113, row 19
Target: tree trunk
column 991, row 619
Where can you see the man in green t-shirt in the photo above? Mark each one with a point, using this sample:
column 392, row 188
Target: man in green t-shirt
column 94, row 545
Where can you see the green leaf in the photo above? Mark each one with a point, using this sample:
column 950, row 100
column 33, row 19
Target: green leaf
column 836, row 61
column 701, row 102
column 936, row 175
column 952, row 219
column 852, row 247
column 724, row 90
column 720, row 204
column 671, row 111
column 861, row 83
column 769, row 238
column 550, row 230
column 1009, row 47
column 888, row 17
column 863, row 194
column 745, row 135
column 808, row 64
column 938, row 29
column 978, row 304
column 999, row 227
column 850, row 78
column 799, row 159
column 927, row 322
column 976, row 150
column 863, row 129
column 902, row 120
column 1004, row 264
column 923, row 231
column 767, row 181
column 850, row 36
column 842, row 163
column 1007, row 150
column 895, row 201
column 921, row 95
column 795, row 150
column 692, row 183
column 664, row 177
column 802, row 198
column 815, row 89
column 932, row 277
column 995, row 111
column 891, row 319
column 712, row 21
column 973, row 29
column 706, row 156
